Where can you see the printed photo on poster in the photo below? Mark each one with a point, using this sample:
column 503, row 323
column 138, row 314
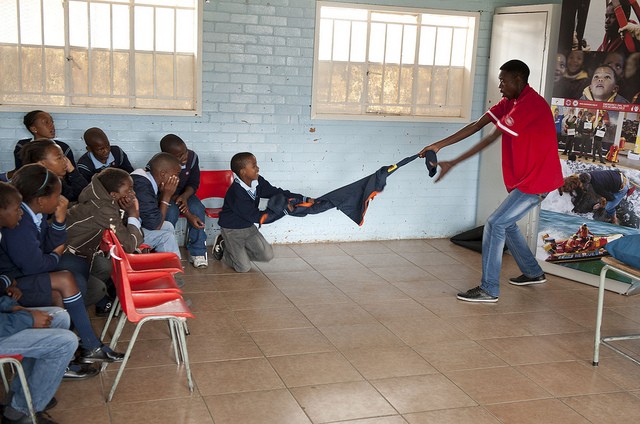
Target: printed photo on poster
column 596, row 108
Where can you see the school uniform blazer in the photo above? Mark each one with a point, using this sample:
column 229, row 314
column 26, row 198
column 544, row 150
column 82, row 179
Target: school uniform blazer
column 26, row 251
column 190, row 175
column 72, row 185
column 240, row 209
column 64, row 146
column 95, row 212
column 147, row 200
column 120, row 160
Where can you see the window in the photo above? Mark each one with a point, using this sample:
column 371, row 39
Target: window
column 103, row 54
column 374, row 62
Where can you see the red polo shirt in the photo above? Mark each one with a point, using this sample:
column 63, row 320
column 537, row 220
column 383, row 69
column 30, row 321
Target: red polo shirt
column 530, row 160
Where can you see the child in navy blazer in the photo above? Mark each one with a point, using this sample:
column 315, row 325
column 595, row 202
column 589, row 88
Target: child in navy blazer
column 101, row 154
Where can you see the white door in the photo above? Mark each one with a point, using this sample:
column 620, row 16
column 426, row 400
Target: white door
column 524, row 33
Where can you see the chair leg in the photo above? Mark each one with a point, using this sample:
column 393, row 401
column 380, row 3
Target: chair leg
column 112, row 313
column 123, row 364
column 25, row 388
column 5, row 382
column 596, row 346
column 185, row 354
column 174, row 340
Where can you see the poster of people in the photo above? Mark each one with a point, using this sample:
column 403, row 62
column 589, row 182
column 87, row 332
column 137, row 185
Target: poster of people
column 596, row 107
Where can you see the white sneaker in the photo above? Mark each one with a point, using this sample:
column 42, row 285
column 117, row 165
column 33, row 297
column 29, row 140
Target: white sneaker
column 199, row 261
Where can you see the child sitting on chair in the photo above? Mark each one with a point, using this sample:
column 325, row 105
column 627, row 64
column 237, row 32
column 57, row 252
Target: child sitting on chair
column 40, row 124
column 101, row 154
column 239, row 241
column 154, row 186
column 184, row 199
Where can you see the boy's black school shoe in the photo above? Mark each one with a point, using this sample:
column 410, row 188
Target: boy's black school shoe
column 77, row 371
column 103, row 311
column 218, row 248
column 99, row 354
column 41, row 418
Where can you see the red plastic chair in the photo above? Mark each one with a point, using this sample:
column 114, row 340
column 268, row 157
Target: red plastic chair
column 16, row 362
column 214, row 184
column 140, row 307
column 165, row 262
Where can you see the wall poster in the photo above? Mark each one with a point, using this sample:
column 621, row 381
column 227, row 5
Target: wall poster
column 596, row 107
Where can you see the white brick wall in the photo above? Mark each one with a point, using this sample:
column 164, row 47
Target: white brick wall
column 257, row 67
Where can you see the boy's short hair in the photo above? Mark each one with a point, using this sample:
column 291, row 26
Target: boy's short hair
column 517, row 67
column 163, row 161
column 35, row 151
column 34, row 181
column 613, row 71
column 8, row 194
column 30, row 118
column 239, row 161
column 91, row 133
column 113, row 178
column 169, row 141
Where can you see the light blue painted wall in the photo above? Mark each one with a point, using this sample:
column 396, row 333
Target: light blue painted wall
column 257, row 74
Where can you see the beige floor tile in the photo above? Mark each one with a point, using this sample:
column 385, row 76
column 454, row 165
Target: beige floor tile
column 207, row 301
column 449, row 306
column 397, row 310
column 608, row 408
column 327, row 263
column 227, row 282
column 458, row 355
column 392, row 419
column 152, row 383
column 291, row 342
column 315, row 295
column 472, row 415
column 385, row 362
column 612, row 322
column 422, row 393
column 283, row 251
column 284, row 264
column 355, row 274
column 536, row 412
column 426, row 259
column 526, row 350
column 93, row 393
column 93, row 415
column 408, row 272
column 263, row 407
column 359, row 336
column 424, row 330
column 214, row 378
column 453, row 271
column 223, row 346
column 337, row 314
column 314, row 368
column 298, row 280
column 495, row 385
column 401, row 246
column 342, row 401
column 371, row 292
column 272, row 319
column 317, row 249
column 168, row 411
column 255, row 299
column 568, row 378
column 214, row 323
column 621, row 371
column 426, row 289
column 364, row 247
column 383, row 260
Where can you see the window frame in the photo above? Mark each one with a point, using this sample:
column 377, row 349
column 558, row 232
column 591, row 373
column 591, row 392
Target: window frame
column 469, row 67
column 136, row 111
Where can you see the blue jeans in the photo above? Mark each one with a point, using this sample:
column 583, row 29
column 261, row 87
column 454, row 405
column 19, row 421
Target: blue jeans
column 611, row 205
column 163, row 240
column 196, row 238
column 46, row 352
column 502, row 227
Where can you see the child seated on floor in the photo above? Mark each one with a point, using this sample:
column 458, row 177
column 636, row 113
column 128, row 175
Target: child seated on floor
column 50, row 155
column 154, row 186
column 40, row 125
column 32, row 254
column 108, row 202
column 101, row 154
column 185, row 201
column 239, row 241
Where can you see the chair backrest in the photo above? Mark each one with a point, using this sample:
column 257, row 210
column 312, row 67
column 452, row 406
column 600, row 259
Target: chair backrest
column 111, row 244
column 214, row 183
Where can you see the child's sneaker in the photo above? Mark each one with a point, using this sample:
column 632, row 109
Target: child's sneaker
column 199, row 261
column 218, row 247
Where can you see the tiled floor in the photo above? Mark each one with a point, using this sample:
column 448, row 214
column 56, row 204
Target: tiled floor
column 371, row 332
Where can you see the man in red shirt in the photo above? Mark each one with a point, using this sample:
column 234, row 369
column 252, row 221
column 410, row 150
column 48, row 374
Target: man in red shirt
column 530, row 167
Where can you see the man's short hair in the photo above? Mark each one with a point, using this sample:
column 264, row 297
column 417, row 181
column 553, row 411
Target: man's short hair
column 517, row 67
column 113, row 178
column 170, row 141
